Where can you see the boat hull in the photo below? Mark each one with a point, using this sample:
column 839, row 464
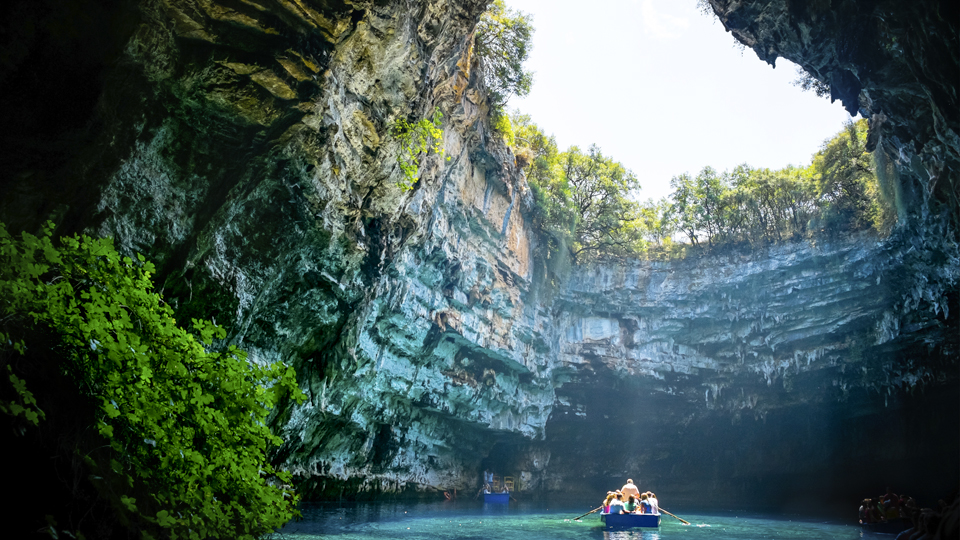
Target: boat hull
column 500, row 498
column 630, row 520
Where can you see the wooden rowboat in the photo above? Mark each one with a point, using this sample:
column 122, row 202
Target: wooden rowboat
column 630, row 520
column 496, row 497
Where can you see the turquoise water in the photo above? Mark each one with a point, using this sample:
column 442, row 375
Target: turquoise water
column 539, row 521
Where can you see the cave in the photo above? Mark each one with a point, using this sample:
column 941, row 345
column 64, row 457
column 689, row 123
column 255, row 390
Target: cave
column 245, row 149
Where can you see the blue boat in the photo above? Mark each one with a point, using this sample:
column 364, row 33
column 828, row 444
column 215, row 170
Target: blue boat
column 496, row 497
column 630, row 520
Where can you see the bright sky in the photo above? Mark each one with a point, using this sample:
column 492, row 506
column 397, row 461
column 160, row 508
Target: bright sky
column 660, row 87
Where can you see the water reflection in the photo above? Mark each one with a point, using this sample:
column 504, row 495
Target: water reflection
column 631, row 534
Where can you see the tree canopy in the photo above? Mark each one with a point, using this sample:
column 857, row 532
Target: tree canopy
column 502, row 43
column 838, row 191
column 585, row 200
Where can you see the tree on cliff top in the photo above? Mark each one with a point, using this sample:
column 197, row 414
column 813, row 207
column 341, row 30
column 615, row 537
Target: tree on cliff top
column 607, row 220
column 130, row 426
column 502, row 43
column 845, row 178
column 582, row 200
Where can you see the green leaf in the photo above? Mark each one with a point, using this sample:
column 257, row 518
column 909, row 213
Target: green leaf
column 129, row 503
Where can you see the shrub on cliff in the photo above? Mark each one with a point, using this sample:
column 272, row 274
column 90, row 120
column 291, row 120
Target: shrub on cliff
column 416, row 139
column 152, row 434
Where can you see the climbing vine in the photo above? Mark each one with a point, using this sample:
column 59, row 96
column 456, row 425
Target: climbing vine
column 416, row 139
column 176, row 440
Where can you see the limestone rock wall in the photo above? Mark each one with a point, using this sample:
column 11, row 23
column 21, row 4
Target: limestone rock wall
column 260, row 173
column 733, row 373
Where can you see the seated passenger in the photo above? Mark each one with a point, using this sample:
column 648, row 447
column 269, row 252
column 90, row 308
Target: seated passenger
column 873, row 514
column 631, row 504
column 606, row 503
column 616, row 505
column 645, row 506
column 865, row 511
column 654, row 503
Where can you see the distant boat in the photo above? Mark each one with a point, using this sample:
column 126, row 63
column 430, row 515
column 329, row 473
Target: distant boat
column 630, row 520
column 496, row 497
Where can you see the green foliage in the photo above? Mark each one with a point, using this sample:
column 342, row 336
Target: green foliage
column 582, row 203
column 176, row 443
column 415, row 139
column 537, row 153
column 23, row 404
column 540, row 149
column 685, row 208
column 837, row 191
column 808, row 83
column 657, row 222
column 502, row 126
column 502, row 43
column 606, row 219
column 844, row 169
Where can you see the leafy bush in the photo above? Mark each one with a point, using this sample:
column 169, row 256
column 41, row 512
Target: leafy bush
column 415, row 139
column 174, row 439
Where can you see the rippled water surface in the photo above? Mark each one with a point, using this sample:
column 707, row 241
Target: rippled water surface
column 536, row 521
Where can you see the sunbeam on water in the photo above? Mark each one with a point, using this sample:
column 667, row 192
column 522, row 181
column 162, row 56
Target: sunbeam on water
column 528, row 521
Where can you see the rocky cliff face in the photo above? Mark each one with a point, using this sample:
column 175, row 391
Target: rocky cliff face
column 246, row 148
column 732, row 373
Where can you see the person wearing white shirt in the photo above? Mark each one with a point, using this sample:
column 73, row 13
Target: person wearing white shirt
column 653, row 502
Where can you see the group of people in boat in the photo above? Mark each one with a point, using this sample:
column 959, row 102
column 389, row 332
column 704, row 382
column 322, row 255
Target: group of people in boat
column 629, row 500
column 489, row 483
column 924, row 523
column 887, row 507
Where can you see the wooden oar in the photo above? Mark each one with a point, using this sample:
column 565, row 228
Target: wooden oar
column 685, row 522
column 588, row 513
